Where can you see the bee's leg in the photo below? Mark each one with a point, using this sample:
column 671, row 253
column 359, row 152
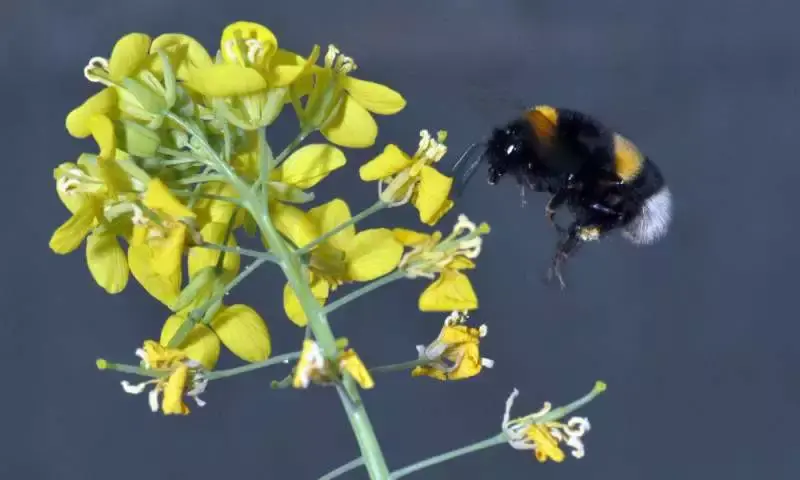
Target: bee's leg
column 556, row 201
column 566, row 247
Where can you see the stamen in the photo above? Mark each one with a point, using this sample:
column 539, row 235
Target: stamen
column 483, row 330
column 254, row 49
column 152, row 399
column 138, row 216
column 95, row 63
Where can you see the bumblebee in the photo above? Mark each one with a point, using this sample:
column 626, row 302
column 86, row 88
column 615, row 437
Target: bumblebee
column 600, row 176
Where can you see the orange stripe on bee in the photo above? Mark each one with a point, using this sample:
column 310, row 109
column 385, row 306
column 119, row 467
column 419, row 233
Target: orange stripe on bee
column 628, row 160
column 543, row 119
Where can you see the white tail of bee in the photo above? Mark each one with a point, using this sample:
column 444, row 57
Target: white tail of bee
column 653, row 222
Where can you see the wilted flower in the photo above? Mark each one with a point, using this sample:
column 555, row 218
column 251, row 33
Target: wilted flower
column 455, row 354
column 183, row 376
column 543, row 433
column 313, row 367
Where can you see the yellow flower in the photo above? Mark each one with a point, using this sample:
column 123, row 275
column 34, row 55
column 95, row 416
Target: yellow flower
column 240, row 328
column 443, row 261
column 341, row 106
column 185, row 377
column 543, row 433
column 140, row 93
column 157, row 245
column 455, row 354
column 250, row 81
column 184, row 52
column 344, row 257
column 304, row 169
column 312, row 367
column 86, row 196
column 402, row 178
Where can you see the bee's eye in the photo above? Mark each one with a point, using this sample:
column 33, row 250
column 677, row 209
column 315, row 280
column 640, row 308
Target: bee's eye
column 510, row 149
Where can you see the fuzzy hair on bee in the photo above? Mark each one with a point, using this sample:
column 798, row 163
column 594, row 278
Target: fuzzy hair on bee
column 600, row 176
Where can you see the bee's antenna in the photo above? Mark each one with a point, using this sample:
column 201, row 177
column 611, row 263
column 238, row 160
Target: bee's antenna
column 464, row 169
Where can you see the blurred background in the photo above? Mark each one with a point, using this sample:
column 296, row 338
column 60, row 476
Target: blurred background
column 695, row 336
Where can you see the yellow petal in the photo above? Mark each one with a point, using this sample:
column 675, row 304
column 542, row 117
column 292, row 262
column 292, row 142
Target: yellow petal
column 102, row 129
column 244, row 332
column 461, row 262
column 201, row 345
column 168, row 252
column 410, row 238
column 285, row 68
column 200, row 257
column 158, row 197
column 309, row 165
column 458, row 334
column 469, row 363
column 165, row 289
column 172, row 404
column 103, row 102
column 214, row 210
column 389, row 162
column 71, row 233
column 107, row 261
column 225, row 80
column 546, row 445
column 451, row 291
column 293, row 223
column 352, row 364
column 319, row 288
column 428, row 372
column 184, row 51
column 374, row 97
column 128, row 56
column 232, row 45
column 431, row 196
column 372, row 254
column 329, row 216
column 352, row 126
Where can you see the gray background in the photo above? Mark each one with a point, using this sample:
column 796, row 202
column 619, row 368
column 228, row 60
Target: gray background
column 695, row 336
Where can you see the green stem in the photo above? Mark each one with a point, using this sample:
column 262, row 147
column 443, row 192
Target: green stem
column 210, row 196
column 339, row 471
column 200, row 178
column 292, row 269
column 489, row 442
column 291, row 147
column 285, row 358
column 398, row 367
column 561, row 412
column 190, row 322
column 365, row 435
column 241, row 251
column 133, row 369
column 377, row 206
column 386, row 279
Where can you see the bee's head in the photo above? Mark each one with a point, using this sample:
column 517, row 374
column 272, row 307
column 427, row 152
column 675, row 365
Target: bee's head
column 508, row 150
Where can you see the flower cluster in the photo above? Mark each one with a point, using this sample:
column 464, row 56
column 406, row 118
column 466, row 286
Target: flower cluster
column 182, row 170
